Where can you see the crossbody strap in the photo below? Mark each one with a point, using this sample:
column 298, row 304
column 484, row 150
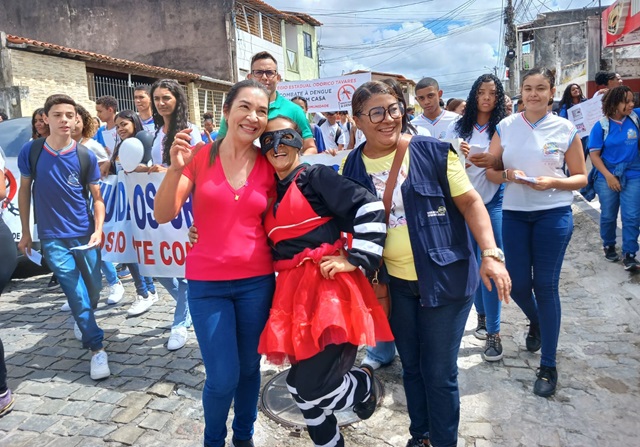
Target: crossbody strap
column 401, row 149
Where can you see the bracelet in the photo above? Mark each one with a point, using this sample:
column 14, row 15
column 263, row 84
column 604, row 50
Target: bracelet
column 505, row 175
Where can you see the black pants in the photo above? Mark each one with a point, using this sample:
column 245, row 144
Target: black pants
column 8, row 258
column 325, row 383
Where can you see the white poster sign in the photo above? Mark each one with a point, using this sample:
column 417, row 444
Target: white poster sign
column 585, row 115
column 326, row 94
column 335, row 161
column 116, row 232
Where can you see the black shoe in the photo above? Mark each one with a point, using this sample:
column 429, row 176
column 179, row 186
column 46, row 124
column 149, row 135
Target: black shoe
column 365, row 409
column 630, row 262
column 238, row 443
column 492, row 348
column 610, row 253
column 481, row 330
column 53, row 282
column 545, row 386
column 534, row 342
column 418, row 442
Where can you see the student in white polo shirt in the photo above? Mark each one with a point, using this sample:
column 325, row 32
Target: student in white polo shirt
column 527, row 153
column 433, row 117
column 484, row 110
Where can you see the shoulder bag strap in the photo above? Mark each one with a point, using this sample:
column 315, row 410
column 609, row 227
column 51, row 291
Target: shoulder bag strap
column 401, row 149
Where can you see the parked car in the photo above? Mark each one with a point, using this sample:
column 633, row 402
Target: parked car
column 14, row 134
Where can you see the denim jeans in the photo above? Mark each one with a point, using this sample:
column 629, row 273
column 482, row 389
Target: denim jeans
column 628, row 202
column 178, row 288
column 228, row 318
column 144, row 284
column 78, row 272
column 534, row 245
column 383, row 352
column 109, row 272
column 487, row 303
column 428, row 341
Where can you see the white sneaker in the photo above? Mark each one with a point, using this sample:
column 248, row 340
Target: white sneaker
column 76, row 331
column 374, row 364
column 100, row 365
column 141, row 304
column 65, row 307
column 116, row 292
column 178, row 338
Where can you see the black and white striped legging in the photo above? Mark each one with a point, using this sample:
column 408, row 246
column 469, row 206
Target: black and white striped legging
column 326, row 383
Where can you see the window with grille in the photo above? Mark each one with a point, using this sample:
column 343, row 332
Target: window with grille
column 271, row 30
column 308, row 48
column 211, row 101
column 119, row 88
column 247, row 19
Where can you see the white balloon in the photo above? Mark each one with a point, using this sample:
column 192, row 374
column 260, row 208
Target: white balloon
column 130, row 154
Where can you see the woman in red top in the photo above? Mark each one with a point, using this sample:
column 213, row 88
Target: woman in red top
column 229, row 271
column 323, row 307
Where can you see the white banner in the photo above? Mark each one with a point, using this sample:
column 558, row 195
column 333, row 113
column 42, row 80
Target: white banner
column 131, row 234
column 326, row 94
column 117, row 244
column 161, row 249
column 586, row 114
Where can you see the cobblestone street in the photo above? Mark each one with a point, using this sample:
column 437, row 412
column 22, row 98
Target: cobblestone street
column 153, row 395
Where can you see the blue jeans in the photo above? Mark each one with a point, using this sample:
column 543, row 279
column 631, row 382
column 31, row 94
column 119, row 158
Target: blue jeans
column 428, row 341
column 534, row 245
column 228, row 318
column 144, row 284
column 178, row 288
column 628, row 202
column 109, row 272
column 78, row 272
column 487, row 303
column 383, row 352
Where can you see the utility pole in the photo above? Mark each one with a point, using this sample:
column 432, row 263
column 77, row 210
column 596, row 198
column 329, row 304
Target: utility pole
column 510, row 43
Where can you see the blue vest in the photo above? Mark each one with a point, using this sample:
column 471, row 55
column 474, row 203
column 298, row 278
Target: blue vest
column 444, row 260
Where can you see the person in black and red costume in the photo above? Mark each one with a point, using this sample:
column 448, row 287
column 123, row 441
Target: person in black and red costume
column 323, row 306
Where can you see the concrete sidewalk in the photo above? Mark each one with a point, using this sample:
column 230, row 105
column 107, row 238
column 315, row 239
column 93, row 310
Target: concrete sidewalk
column 153, row 395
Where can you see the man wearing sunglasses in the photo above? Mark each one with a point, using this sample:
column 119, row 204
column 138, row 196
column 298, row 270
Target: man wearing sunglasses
column 264, row 69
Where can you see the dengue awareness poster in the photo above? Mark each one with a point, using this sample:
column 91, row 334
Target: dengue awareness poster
column 326, row 94
column 586, row 114
column 131, row 233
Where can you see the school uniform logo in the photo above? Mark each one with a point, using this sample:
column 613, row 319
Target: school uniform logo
column 73, row 179
column 632, row 134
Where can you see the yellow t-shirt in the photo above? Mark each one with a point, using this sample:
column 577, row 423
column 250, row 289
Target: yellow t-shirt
column 397, row 253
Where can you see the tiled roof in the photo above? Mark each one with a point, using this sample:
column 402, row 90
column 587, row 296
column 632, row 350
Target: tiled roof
column 23, row 42
column 306, row 17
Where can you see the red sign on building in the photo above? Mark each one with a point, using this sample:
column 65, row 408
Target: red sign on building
column 619, row 21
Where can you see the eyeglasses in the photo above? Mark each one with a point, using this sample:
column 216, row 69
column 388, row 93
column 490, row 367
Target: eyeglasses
column 377, row 114
column 260, row 73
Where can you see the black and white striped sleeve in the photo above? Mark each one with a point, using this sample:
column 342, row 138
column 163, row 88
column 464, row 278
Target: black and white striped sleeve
column 357, row 210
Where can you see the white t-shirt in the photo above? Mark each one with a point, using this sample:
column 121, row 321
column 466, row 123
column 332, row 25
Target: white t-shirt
column 537, row 149
column 96, row 148
column 156, row 149
column 109, row 137
column 346, row 131
column 149, row 124
column 438, row 127
column 329, row 134
column 479, row 143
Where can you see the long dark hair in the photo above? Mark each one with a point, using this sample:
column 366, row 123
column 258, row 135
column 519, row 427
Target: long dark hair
column 34, row 132
column 407, row 127
column 179, row 117
column 228, row 102
column 128, row 115
column 567, row 99
column 464, row 126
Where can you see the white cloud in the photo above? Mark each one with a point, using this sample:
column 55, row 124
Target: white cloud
column 395, row 40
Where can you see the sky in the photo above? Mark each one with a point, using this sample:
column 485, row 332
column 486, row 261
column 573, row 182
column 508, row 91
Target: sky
column 454, row 41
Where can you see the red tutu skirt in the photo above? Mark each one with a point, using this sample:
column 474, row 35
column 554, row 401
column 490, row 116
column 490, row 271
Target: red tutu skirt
column 310, row 312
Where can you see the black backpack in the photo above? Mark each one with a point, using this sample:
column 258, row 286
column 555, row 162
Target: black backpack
column 338, row 132
column 85, row 166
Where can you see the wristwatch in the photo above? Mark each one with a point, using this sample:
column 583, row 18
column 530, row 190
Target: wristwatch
column 495, row 253
column 505, row 175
